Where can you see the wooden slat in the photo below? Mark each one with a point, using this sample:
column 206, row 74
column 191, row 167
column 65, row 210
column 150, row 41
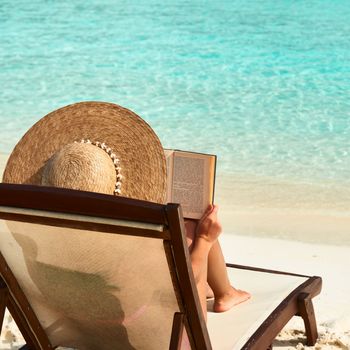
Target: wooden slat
column 79, row 202
column 84, row 222
column 198, row 329
column 3, row 300
column 259, row 269
column 177, row 331
column 82, row 218
column 22, row 312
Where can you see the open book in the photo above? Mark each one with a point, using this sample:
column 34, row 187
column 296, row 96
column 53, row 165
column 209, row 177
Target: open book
column 190, row 181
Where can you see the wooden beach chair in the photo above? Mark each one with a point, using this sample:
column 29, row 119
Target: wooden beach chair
column 90, row 271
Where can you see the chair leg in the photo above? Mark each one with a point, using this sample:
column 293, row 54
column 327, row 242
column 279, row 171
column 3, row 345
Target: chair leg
column 177, row 331
column 3, row 304
column 306, row 311
column 3, row 300
column 22, row 325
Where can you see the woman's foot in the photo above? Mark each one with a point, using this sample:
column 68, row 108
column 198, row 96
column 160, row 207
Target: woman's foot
column 230, row 299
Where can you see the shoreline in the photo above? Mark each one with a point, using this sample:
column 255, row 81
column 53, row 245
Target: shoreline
column 261, row 207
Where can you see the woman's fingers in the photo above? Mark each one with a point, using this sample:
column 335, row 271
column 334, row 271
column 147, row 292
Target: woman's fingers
column 209, row 227
column 207, row 212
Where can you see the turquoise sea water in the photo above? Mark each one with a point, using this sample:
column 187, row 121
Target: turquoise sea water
column 265, row 84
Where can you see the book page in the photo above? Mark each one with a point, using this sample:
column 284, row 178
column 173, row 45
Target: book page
column 169, row 157
column 193, row 182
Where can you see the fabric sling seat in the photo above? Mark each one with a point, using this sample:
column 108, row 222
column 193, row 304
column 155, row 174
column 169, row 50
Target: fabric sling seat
column 90, row 271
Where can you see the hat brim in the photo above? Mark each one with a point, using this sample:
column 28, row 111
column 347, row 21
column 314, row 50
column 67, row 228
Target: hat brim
column 130, row 137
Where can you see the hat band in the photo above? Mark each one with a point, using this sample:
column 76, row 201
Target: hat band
column 115, row 159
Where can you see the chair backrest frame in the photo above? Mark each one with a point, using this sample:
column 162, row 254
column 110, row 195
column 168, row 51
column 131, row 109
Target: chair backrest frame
column 43, row 205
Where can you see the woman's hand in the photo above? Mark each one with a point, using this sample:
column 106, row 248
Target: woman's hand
column 209, row 227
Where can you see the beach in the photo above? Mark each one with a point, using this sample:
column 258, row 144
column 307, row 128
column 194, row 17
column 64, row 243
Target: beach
column 263, row 85
column 294, row 227
column 330, row 261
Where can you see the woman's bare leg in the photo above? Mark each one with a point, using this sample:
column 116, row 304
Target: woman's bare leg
column 191, row 226
column 200, row 237
column 211, row 259
column 225, row 295
column 199, row 261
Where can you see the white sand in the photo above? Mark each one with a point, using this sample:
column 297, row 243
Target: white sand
column 330, row 262
column 332, row 306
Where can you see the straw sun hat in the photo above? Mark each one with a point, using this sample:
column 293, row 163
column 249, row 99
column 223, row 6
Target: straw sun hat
column 91, row 146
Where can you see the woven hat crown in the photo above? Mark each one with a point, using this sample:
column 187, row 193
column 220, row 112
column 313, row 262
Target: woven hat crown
column 80, row 166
